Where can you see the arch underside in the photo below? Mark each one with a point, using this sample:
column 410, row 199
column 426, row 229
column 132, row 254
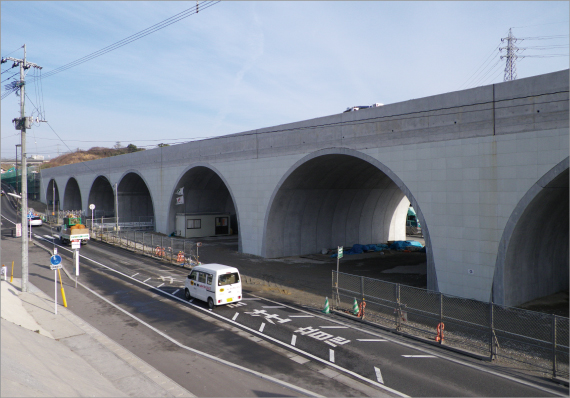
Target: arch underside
column 134, row 200
column 52, row 195
column 102, row 196
column 72, row 196
column 536, row 261
column 204, row 192
column 334, row 200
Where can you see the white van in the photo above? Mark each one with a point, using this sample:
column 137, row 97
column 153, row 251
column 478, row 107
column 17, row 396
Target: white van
column 216, row 284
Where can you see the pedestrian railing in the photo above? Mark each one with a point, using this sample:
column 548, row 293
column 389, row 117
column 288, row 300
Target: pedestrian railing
column 486, row 330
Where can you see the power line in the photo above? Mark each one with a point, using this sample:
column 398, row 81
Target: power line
column 484, row 63
column 154, row 28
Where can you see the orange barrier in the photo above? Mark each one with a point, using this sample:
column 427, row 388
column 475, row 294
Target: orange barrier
column 180, row 257
column 361, row 308
column 159, row 251
column 439, row 337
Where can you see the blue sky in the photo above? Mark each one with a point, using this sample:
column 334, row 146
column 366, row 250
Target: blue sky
column 238, row 66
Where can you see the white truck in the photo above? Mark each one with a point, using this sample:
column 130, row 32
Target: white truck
column 72, row 229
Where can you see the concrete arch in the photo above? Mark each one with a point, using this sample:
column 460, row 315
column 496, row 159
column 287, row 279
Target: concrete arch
column 206, row 190
column 532, row 260
column 332, row 197
column 134, row 198
column 101, row 194
column 52, row 195
column 72, row 195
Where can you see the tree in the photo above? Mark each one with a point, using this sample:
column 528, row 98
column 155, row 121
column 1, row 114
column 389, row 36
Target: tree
column 161, row 145
column 132, row 148
column 118, row 145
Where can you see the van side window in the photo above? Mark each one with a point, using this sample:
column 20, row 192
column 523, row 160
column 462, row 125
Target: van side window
column 192, row 276
column 202, row 277
column 209, row 279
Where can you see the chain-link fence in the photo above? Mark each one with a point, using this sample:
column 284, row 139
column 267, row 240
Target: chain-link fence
column 485, row 330
column 140, row 223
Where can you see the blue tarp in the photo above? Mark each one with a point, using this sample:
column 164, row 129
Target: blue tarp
column 358, row 249
column 402, row 244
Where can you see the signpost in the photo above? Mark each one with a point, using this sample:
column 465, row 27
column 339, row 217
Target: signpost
column 30, row 216
column 198, row 255
column 340, row 254
column 92, row 207
column 76, row 245
column 55, row 264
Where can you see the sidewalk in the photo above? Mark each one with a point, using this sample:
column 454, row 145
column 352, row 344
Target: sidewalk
column 44, row 354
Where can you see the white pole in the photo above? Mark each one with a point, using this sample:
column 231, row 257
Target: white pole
column 55, row 290
column 76, row 266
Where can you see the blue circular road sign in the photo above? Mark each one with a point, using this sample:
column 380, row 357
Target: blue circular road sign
column 55, row 259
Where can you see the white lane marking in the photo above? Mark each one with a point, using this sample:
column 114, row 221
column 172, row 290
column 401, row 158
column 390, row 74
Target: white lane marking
column 55, row 235
column 160, row 285
column 419, row 356
column 333, row 327
column 293, row 339
column 146, row 280
column 272, row 306
column 47, row 236
column 301, row 316
column 233, row 365
column 347, row 371
column 198, row 308
column 132, row 276
column 191, row 300
column 378, row 375
column 176, row 291
column 331, row 355
column 235, row 316
column 262, row 327
column 371, row 340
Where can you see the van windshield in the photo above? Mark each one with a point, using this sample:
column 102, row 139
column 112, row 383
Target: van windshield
column 228, row 279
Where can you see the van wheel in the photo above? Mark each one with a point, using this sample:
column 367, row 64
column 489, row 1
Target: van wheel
column 187, row 294
column 210, row 303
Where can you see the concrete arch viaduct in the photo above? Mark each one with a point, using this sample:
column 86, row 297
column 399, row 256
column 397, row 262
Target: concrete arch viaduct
column 486, row 170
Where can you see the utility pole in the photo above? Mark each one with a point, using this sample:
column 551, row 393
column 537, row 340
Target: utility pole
column 510, row 67
column 22, row 124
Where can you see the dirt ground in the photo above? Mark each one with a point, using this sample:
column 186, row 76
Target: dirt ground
column 307, row 280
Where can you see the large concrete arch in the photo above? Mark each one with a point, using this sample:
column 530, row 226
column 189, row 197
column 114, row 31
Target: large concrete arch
column 338, row 196
column 134, row 198
column 532, row 260
column 102, row 196
column 205, row 191
column 72, row 195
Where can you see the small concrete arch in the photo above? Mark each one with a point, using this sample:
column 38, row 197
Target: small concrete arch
column 338, row 196
column 52, row 195
column 532, row 260
column 205, row 190
column 72, row 195
column 134, row 198
column 102, row 196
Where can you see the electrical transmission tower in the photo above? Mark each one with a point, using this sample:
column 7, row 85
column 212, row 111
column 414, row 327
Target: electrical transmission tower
column 510, row 67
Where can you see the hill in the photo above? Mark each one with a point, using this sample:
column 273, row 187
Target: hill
column 90, row 154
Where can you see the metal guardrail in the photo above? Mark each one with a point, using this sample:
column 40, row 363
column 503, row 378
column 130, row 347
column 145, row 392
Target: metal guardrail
column 485, row 330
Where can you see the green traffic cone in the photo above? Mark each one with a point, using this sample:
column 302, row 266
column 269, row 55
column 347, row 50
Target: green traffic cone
column 355, row 308
column 327, row 310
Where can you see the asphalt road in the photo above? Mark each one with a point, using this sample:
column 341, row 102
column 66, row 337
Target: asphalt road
column 332, row 357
